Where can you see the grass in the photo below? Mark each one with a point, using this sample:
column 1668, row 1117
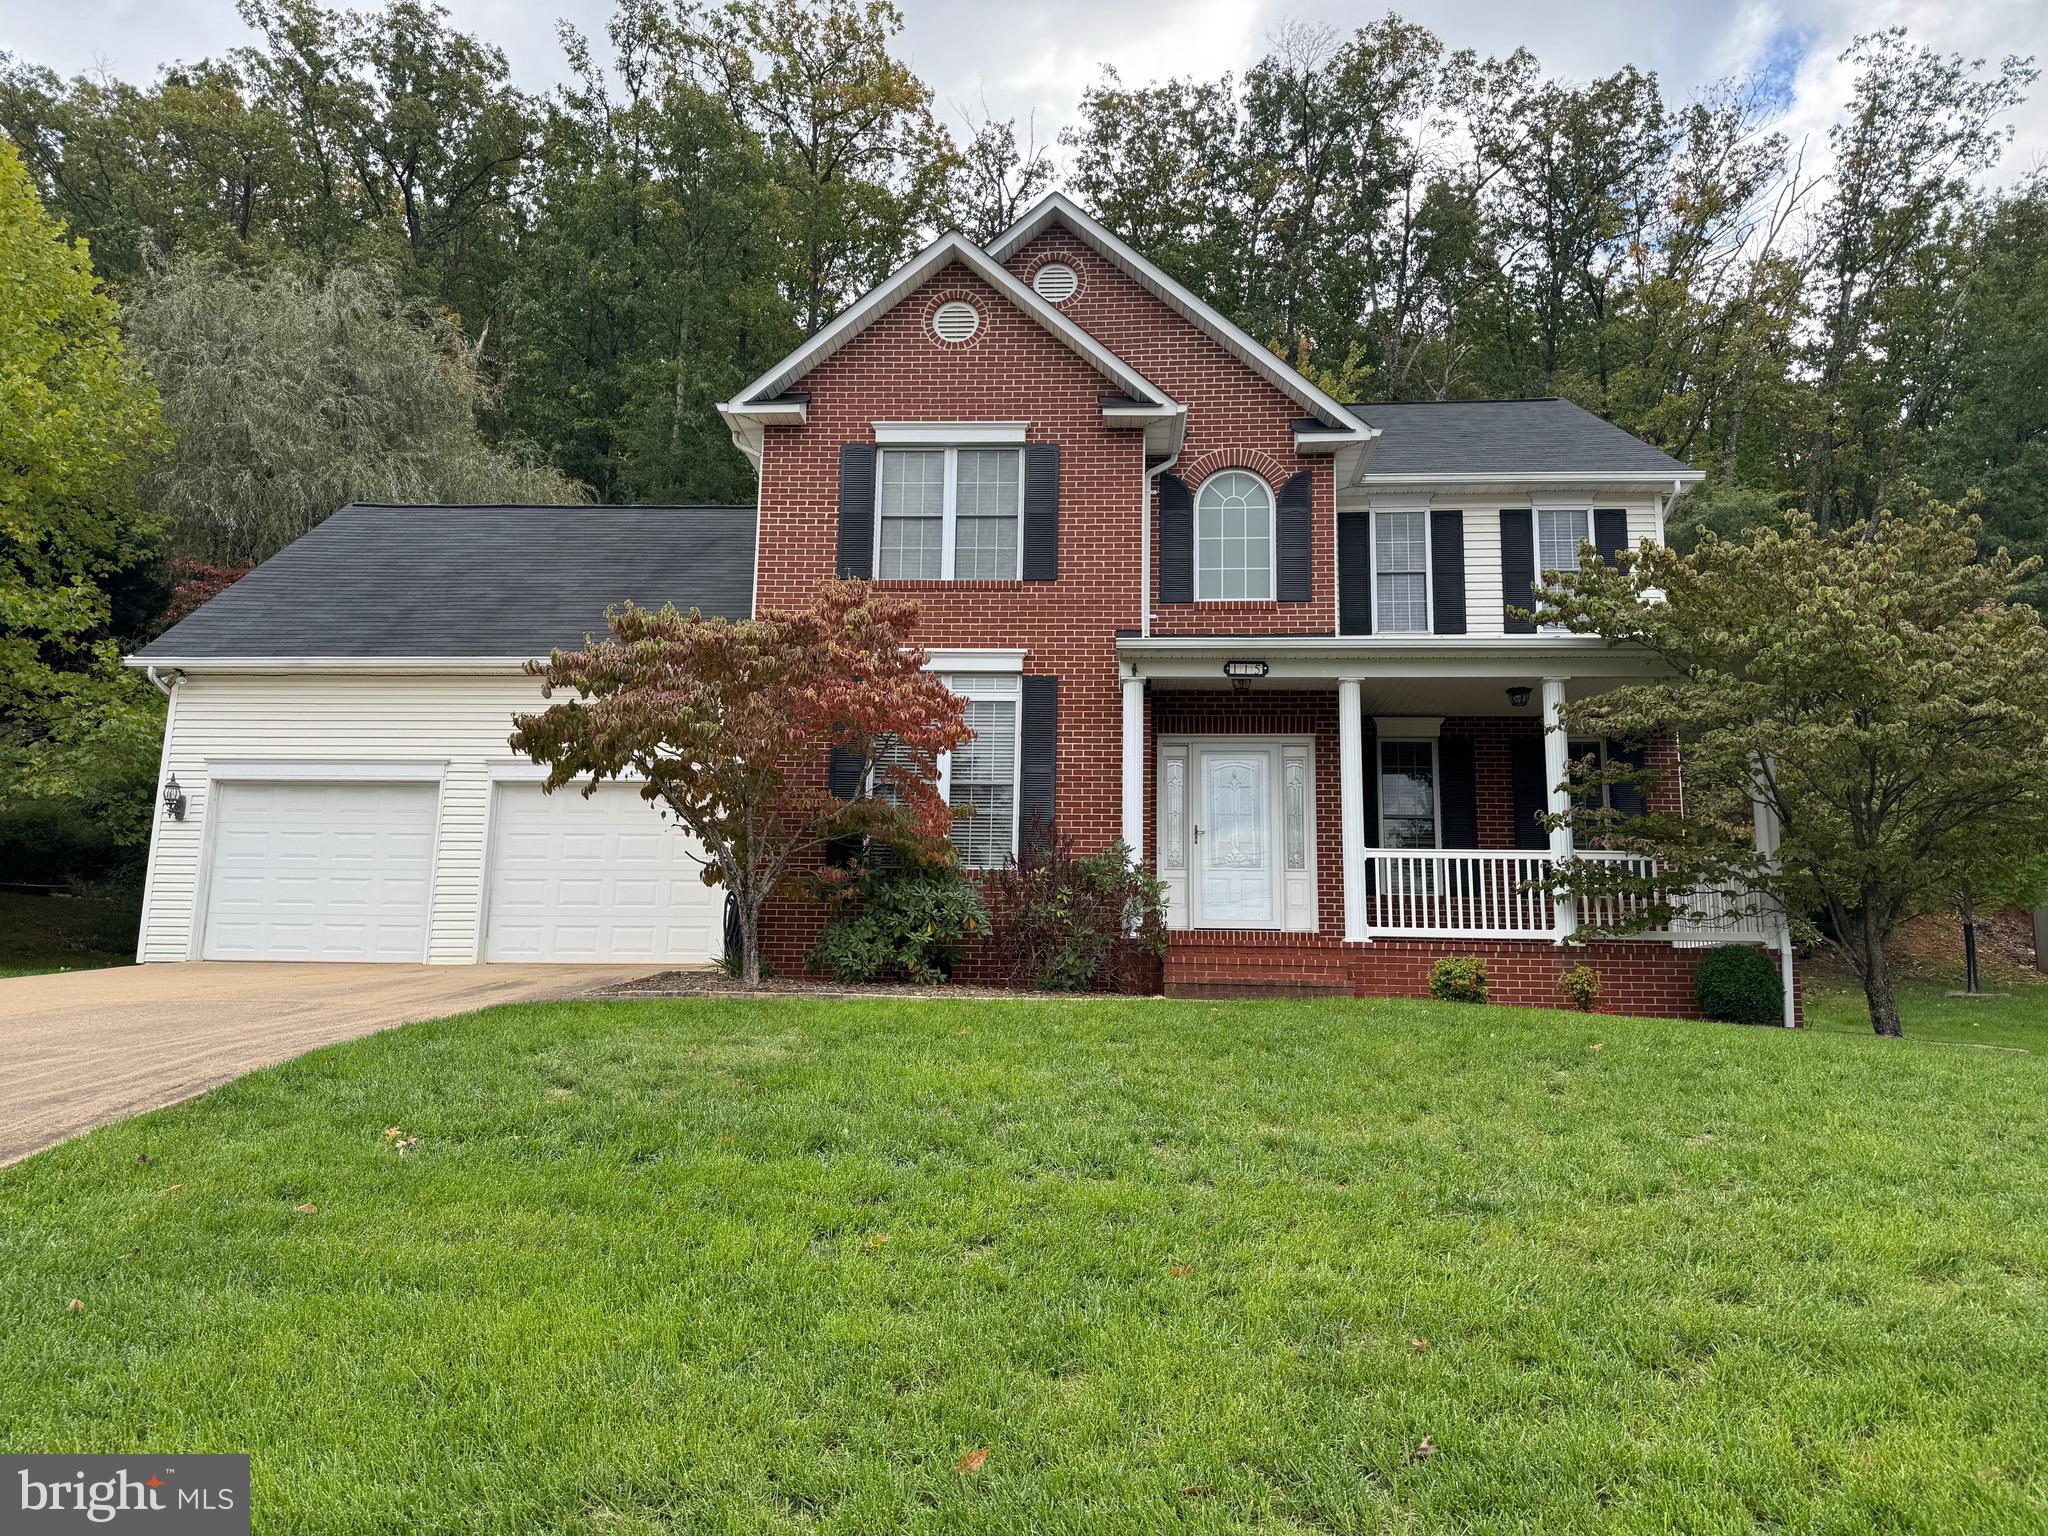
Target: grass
column 2017, row 1020
column 1291, row 1267
column 39, row 934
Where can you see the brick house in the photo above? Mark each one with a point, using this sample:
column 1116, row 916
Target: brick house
column 1192, row 602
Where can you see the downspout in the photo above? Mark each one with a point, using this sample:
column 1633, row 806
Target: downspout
column 163, row 772
column 1145, row 538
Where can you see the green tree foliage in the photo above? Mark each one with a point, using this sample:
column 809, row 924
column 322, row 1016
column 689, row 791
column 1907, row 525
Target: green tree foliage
column 78, row 423
column 292, row 397
column 1877, row 686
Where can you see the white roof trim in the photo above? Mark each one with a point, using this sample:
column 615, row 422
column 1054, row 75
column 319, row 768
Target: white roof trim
column 1652, row 480
column 880, row 299
column 450, row 664
column 1057, row 205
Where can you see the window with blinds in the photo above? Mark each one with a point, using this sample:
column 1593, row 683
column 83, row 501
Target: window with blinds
column 981, row 778
column 1400, row 565
column 1559, row 533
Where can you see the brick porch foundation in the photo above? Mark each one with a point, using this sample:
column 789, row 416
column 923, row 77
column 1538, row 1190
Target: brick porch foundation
column 1637, row 976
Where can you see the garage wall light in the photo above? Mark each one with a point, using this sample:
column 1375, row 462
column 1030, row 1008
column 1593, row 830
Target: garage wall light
column 174, row 799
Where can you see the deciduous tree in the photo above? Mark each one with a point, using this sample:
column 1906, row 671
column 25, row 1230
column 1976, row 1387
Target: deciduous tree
column 1876, row 686
column 728, row 726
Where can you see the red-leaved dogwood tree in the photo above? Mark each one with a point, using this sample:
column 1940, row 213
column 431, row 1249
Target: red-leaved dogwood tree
column 729, row 726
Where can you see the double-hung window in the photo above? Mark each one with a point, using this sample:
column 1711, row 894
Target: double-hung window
column 1559, row 533
column 1400, row 566
column 949, row 514
column 1408, row 794
column 1233, row 538
column 979, row 779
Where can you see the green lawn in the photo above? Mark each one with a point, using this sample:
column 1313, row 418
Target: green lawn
column 54, row 933
column 739, row 1267
column 2016, row 1020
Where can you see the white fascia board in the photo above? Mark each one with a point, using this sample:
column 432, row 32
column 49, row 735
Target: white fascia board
column 1331, row 442
column 1649, row 484
column 916, row 432
column 1337, row 657
column 905, row 280
column 453, row 665
column 1057, row 205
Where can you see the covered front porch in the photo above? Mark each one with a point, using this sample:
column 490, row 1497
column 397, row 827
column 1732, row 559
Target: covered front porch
column 1330, row 813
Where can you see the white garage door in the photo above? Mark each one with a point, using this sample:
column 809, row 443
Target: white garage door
column 603, row 879
column 319, row 871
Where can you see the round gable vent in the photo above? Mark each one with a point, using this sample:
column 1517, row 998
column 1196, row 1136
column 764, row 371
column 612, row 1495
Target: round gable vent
column 956, row 320
column 1055, row 282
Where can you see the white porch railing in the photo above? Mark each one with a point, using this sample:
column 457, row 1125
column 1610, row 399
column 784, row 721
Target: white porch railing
column 1486, row 893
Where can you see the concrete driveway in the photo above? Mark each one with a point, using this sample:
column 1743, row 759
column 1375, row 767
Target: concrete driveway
column 83, row 1048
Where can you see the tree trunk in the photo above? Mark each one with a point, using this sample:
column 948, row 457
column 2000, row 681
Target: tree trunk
column 1873, row 966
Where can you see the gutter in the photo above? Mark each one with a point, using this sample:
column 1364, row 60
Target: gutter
column 179, row 666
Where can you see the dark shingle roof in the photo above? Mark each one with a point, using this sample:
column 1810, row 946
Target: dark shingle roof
column 1505, row 437
column 475, row 582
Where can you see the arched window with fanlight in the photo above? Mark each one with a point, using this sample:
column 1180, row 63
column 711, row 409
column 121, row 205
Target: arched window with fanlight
column 1233, row 538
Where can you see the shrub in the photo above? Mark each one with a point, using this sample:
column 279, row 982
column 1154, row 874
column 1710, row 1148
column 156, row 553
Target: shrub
column 1739, row 985
column 1581, row 987
column 1458, row 979
column 1075, row 923
column 903, row 923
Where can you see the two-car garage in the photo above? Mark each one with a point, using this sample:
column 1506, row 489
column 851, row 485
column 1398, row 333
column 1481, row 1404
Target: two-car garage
column 345, row 870
column 338, row 779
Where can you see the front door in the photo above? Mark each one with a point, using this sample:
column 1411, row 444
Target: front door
column 1234, row 837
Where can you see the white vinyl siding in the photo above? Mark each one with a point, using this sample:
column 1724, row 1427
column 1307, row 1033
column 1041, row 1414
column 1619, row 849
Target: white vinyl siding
column 1400, row 571
column 456, row 726
column 949, row 514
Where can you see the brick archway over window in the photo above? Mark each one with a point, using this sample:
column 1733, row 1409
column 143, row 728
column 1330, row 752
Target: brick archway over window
column 1274, row 471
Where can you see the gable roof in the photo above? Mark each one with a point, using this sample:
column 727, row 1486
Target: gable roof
column 1506, row 438
column 470, row 583
column 1058, row 208
column 906, row 280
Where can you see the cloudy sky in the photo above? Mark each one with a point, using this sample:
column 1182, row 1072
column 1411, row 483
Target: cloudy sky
column 1032, row 60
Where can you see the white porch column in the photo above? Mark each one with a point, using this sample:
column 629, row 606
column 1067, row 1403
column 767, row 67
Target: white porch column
column 1134, row 765
column 1351, row 800
column 1556, row 763
column 1765, row 816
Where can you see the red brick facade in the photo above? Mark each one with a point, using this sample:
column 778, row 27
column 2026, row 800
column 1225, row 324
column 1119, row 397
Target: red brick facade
column 1013, row 369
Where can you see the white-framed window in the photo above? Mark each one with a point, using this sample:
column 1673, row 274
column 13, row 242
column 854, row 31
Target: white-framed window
column 1559, row 533
column 1400, row 571
column 1233, row 538
column 949, row 514
column 979, row 780
column 1408, row 795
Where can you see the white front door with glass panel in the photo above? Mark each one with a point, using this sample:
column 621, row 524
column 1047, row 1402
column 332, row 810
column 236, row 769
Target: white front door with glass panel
column 1236, row 838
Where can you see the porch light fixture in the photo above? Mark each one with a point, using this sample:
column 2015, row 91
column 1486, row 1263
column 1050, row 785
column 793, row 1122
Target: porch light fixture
column 174, row 799
column 1518, row 697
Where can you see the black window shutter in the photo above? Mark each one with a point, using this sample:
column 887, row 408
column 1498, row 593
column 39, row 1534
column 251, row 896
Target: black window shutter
column 1610, row 533
column 1527, row 792
column 1176, row 540
column 1626, row 799
column 1039, row 752
column 1457, row 792
column 1354, row 573
column 842, row 779
column 1447, row 574
column 1518, row 567
column 1042, row 512
column 857, row 510
column 1294, row 538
